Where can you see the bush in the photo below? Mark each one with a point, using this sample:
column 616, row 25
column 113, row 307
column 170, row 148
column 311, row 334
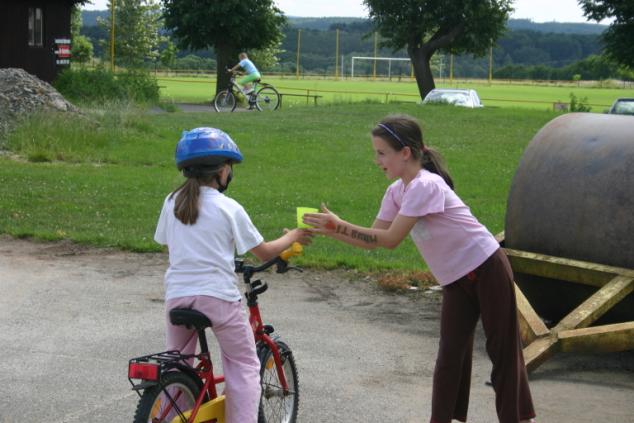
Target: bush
column 100, row 85
column 579, row 105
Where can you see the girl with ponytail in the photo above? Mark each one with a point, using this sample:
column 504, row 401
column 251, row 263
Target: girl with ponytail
column 463, row 256
column 203, row 228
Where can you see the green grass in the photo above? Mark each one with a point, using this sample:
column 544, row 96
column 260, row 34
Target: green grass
column 542, row 97
column 105, row 176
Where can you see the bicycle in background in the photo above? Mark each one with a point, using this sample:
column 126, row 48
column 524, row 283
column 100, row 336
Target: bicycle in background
column 262, row 97
column 173, row 390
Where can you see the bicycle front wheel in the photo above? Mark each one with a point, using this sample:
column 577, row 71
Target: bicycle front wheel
column 175, row 394
column 275, row 405
column 267, row 99
column 225, row 101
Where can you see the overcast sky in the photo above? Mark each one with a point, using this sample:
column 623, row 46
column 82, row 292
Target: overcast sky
column 536, row 10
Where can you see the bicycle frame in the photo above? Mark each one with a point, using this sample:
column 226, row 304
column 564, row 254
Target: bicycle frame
column 149, row 368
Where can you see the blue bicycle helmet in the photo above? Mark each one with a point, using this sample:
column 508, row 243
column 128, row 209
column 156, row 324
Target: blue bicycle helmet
column 206, row 147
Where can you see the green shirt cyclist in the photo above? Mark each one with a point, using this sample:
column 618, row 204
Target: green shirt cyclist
column 252, row 73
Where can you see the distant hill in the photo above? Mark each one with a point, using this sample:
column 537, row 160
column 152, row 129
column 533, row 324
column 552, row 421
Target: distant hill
column 324, row 24
column 557, row 27
column 525, row 43
column 89, row 17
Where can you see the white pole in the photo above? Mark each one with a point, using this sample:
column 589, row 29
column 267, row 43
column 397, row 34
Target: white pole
column 352, row 69
column 389, row 69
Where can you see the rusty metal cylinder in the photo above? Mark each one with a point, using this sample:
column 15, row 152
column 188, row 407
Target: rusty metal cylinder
column 573, row 197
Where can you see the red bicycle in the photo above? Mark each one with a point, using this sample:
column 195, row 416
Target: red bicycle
column 173, row 390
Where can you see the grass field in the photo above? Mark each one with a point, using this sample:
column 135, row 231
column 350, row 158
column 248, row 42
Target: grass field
column 101, row 180
column 542, row 97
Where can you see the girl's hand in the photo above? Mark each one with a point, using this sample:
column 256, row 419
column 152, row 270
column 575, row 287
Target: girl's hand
column 325, row 222
column 303, row 236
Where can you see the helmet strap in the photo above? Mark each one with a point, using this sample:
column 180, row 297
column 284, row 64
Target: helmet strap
column 221, row 187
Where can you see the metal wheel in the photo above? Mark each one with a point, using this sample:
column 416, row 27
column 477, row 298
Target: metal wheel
column 275, row 405
column 225, row 101
column 267, row 99
column 175, row 394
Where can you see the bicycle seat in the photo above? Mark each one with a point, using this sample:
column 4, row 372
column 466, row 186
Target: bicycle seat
column 189, row 317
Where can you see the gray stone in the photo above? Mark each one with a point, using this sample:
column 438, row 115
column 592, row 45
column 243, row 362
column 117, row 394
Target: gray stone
column 22, row 94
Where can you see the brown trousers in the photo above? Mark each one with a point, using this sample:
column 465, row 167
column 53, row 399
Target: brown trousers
column 487, row 292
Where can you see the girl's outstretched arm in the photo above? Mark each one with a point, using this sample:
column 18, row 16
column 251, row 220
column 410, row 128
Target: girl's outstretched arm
column 270, row 249
column 382, row 234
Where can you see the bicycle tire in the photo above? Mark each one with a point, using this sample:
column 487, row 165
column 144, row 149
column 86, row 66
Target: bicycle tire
column 225, row 101
column 150, row 404
column 267, row 99
column 275, row 407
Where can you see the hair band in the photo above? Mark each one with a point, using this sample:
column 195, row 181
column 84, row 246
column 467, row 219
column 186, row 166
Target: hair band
column 388, row 129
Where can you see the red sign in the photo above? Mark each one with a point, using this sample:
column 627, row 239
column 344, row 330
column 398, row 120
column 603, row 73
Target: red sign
column 62, row 51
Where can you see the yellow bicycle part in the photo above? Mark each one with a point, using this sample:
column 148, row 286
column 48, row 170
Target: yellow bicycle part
column 214, row 409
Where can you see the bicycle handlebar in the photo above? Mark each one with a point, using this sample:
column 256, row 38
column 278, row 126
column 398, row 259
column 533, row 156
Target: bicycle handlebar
column 281, row 261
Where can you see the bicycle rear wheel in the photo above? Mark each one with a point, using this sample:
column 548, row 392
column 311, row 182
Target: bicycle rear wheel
column 275, row 405
column 175, row 394
column 225, row 101
column 267, row 99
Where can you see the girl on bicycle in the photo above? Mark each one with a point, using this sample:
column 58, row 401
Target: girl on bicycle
column 252, row 73
column 202, row 229
column 465, row 259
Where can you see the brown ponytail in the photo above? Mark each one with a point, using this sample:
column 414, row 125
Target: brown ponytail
column 188, row 194
column 402, row 131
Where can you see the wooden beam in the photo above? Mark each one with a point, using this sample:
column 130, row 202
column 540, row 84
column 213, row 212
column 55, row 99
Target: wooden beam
column 597, row 305
column 531, row 325
column 539, row 351
column 606, row 338
column 583, row 272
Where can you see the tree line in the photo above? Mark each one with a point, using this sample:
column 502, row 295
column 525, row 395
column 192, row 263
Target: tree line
column 524, row 53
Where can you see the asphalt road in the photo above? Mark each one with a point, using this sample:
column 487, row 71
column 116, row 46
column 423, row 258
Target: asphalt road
column 71, row 317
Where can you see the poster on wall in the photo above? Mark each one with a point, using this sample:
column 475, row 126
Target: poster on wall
column 62, row 51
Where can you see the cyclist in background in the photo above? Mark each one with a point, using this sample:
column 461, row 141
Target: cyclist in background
column 202, row 229
column 252, row 73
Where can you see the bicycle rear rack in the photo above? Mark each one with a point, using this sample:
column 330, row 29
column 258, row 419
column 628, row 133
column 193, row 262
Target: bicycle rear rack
column 148, row 368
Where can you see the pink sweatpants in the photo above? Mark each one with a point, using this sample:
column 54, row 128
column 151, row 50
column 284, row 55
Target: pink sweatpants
column 240, row 363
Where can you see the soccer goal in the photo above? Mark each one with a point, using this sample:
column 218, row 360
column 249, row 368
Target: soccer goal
column 388, row 59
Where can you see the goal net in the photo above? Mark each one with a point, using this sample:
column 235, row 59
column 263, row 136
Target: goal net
column 366, row 66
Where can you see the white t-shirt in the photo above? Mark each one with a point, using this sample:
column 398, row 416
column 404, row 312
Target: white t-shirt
column 201, row 256
column 448, row 236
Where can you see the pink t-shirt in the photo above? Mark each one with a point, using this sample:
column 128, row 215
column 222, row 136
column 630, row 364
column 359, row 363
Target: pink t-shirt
column 450, row 239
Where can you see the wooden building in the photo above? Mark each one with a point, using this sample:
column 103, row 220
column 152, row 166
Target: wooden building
column 35, row 35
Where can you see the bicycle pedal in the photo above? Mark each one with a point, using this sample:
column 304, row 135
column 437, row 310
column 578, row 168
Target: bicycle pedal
column 268, row 329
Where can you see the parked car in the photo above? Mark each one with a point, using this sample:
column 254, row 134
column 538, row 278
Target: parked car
column 622, row 106
column 456, row 97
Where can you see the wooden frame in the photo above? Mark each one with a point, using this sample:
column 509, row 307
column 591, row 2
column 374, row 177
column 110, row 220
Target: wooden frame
column 573, row 333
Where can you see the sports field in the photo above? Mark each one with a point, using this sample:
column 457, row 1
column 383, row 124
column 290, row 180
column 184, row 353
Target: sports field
column 497, row 94
column 108, row 192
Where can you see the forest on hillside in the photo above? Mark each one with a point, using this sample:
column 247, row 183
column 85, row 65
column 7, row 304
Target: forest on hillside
column 527, row 50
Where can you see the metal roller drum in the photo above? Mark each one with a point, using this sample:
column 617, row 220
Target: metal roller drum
column 573, row 197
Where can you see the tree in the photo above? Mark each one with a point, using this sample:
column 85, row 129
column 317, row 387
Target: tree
column 424, row 27
column 81, row 47
column 619, row 37
column 228, row 26
column 137, row 31
column 168, row 55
